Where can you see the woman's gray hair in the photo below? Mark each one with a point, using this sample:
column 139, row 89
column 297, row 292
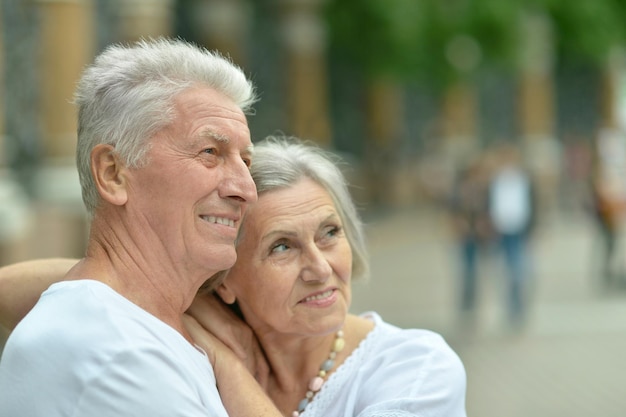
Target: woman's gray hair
column 126, row 96
column 280, row 162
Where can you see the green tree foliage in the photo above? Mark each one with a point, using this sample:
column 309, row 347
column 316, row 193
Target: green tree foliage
column 585, row 31
column 381, row 37
column 415, row 39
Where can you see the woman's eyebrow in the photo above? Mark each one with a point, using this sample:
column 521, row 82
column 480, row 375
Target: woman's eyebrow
column 271, row 235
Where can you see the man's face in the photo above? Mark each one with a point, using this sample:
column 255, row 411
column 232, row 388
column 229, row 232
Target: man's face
column 191, row 195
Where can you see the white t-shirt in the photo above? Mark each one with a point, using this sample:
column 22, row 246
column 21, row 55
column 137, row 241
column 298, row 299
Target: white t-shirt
column 395, row 372
column 511, row 206
column 84, row 350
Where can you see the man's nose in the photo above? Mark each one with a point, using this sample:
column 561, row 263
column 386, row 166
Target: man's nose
column 239, row 184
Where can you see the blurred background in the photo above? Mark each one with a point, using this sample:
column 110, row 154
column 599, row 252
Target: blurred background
column 435, row 105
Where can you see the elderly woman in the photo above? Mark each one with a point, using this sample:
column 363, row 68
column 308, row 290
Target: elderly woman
column 298, row 249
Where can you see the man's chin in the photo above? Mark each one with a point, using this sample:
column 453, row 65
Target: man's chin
column 224, row 258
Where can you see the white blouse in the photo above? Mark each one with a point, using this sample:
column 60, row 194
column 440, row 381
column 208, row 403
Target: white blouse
column 394, row 372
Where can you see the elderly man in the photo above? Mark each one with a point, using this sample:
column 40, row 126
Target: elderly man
column 163, row 154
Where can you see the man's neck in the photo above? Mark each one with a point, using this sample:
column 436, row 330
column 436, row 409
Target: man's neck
column 155, row 291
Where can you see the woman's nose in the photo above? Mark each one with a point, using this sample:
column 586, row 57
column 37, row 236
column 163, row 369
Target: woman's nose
column 317, row 267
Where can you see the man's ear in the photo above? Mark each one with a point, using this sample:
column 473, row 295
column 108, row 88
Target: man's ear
column 226, row 294
column 109, row 173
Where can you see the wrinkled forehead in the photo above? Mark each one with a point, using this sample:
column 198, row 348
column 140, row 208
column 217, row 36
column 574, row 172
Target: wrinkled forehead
column 297, row 202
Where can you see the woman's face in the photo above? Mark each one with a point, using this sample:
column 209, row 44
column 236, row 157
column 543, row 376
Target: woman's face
column 294, row 263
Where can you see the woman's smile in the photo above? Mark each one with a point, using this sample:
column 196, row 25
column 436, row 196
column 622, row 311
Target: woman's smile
column 321, row 299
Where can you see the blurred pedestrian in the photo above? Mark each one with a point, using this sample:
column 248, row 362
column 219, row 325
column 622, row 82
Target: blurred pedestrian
column 472, row 229
column 513, row 210
column 607, row 208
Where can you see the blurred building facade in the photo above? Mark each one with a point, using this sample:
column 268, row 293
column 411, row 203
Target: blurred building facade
column 402, row 141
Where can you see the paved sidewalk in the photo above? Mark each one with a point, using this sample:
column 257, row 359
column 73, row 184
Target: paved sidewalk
column 571, row 358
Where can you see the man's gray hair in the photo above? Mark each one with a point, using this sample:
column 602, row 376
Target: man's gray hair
column 127, row 94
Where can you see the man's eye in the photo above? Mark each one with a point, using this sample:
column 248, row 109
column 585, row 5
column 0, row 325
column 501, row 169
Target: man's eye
column 247, row 161
column 210, row 151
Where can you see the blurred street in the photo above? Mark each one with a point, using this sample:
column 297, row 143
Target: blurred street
column 570, row 358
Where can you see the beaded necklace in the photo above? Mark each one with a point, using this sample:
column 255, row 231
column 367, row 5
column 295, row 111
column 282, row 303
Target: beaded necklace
column 315, row 384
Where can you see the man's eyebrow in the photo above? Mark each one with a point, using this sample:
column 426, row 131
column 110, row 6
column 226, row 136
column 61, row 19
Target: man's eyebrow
column 214, row 135
column 210, row 134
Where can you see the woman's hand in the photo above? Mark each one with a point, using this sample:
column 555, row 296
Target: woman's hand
column 240, row 392
column 21, row 285
column 214, row 318
column 219, row 354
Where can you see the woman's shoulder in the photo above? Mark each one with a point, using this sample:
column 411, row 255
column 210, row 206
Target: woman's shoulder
column 386, row 331
column 414, row 370
column 420, row 348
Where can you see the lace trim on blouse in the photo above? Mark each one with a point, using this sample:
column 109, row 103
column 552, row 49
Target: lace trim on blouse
column 343, row 374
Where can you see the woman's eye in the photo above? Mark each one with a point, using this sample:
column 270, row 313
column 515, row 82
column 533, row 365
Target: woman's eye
column 247, row 161
column 279, row 247
column 210, row 151
column 333, row 231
